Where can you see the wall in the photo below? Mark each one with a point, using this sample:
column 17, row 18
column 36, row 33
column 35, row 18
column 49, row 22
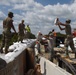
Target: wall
column 49, row 68
column 16, row 61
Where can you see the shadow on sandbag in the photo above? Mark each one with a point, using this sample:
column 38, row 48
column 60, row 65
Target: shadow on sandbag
column 2, row 63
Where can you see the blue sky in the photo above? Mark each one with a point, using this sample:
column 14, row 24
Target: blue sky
column 53, row 2
column 39, row 14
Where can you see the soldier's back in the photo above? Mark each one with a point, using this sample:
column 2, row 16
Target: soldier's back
column 7, row 24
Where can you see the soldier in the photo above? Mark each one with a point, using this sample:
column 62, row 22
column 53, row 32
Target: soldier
column 51, row 46
column 21, row 29
column 54, row 36
column 28, row 31
column 69, row 39
column 7, row 25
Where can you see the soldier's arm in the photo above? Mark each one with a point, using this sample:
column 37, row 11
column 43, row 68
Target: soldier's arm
column 62, row 24
column 61, row 28
column 24, row 27
column 4, row 24
column 13, row 26
column 19, row 27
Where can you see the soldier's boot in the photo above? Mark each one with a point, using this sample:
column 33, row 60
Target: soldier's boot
column 75, row 55
column 75, row 52
column 6, row 51
column 66, row 53
column 22, row 42
column 51, row 59
column 1, row 50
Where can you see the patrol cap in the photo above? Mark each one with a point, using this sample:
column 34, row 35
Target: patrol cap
column 10, row 13
column 68, row 21
column 22, row 20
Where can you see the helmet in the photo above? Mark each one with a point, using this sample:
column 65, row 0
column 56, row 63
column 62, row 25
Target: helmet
column 68, row 21
column 10, row 14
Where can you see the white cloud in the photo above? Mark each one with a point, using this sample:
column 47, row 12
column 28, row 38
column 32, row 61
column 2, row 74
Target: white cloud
column 40, row 18
column 2, row 15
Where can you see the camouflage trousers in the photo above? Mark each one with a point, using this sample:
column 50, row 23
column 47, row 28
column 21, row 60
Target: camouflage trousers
column 27, row 36
column 6, row 38
column 20, row 37
column 69, row 42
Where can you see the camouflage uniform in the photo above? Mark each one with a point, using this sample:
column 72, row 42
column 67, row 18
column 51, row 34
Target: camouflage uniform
column 69, row 39
column 21, row 32
column 51, row 47
column 7, row 25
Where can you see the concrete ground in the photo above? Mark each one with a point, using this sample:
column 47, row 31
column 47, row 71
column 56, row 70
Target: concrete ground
column 47, row 55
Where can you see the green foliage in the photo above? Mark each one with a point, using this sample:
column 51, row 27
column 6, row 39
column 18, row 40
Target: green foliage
column 32, row 36
column 58, row 34
column 61, row 35
column 49, row 32
column 14, row 38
